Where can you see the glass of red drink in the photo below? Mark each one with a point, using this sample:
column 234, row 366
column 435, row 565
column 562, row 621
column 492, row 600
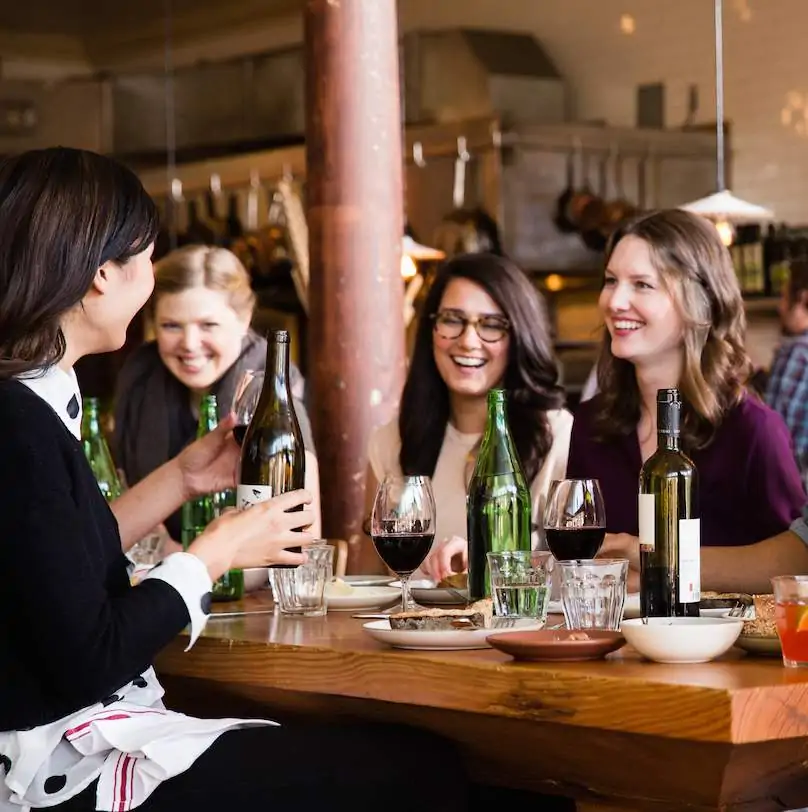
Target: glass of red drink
column 791, row 613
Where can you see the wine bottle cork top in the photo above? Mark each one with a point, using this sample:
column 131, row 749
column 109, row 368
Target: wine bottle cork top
column 279, row 336
column 669, row 411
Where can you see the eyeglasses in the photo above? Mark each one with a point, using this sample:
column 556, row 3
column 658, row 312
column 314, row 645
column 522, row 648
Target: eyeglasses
column 452, row 324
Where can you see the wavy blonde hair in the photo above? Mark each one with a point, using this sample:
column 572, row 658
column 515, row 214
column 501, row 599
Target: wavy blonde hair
column 197, row 266
column 696, row 269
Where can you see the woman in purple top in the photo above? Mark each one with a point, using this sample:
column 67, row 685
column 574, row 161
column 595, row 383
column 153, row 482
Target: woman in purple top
column 674, row 317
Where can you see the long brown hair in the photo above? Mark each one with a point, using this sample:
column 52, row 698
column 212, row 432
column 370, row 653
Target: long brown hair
column 696, row 270
column 531, row 377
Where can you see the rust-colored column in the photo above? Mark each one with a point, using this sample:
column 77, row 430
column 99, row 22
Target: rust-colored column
column 354, row 205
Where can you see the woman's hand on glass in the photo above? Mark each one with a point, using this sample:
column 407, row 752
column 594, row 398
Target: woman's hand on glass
column 446, row 557
column 258, row 536
column 210, row 463
column 624, row 545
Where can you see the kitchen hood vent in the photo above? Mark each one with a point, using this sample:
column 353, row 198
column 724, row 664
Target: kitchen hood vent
column 457, row 74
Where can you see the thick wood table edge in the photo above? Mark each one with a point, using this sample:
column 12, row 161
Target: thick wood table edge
column 537, row 692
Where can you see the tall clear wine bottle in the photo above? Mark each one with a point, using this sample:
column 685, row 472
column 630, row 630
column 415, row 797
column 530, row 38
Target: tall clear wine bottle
column 273, row 457
column 498, row 500
column 670, row 534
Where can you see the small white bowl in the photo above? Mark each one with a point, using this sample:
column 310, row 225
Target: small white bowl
column 682, row 639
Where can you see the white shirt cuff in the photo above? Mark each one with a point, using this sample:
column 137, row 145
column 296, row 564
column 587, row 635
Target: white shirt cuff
column 189, row 576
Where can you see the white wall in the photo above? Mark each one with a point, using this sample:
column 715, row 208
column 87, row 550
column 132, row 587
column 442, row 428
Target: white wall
column 765, row 60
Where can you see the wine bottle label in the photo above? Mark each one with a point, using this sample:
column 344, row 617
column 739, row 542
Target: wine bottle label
column 647, row 507
column 248, row 495
column 689, row 560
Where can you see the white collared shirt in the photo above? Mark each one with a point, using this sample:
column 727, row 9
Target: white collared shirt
column 130, row 744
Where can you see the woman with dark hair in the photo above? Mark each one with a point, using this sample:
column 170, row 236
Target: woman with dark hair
column 674, row 317
column 483, row 325
column 82, row 724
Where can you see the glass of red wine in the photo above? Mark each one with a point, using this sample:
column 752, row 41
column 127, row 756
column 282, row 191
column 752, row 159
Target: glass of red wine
column 574, row 519
column 248, row 391
column 402, row 526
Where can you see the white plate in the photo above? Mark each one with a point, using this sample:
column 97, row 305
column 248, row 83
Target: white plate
column 631, row 608
column 442, row 640
column 760, row 645
column 363, row 597
column 724, row 612
column 368, row 580
column 426, row 592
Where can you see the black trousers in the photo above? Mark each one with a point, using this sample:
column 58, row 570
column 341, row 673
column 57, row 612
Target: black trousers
column 302, row 767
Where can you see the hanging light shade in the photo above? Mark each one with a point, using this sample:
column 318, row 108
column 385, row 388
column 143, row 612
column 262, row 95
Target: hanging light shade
column 722, row 207
column 412, row 252
column 725, row 206
column 416, row 251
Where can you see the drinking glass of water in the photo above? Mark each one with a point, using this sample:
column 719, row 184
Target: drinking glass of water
column 402, row 526
column 519, row 583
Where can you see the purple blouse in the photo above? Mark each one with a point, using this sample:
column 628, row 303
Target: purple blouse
column 749, row 484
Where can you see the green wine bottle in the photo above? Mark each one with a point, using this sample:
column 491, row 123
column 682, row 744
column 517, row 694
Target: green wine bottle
column 670, row 548
column 198, row 513
column 97, row 451
column 498, row 500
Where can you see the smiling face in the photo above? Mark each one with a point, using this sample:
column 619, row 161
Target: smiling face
column 468, row 365
column 199, row 335
column 640, row 314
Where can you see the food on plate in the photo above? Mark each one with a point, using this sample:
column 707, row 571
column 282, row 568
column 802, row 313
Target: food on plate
column 476, row 616
column 763, row 624
column 457, row 580
column 337, row 587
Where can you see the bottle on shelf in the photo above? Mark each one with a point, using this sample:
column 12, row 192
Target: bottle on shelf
column 199, row 512
column 498, row 505
column 670, row 534
column 97, row 451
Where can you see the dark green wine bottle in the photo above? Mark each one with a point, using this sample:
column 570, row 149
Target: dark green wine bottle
column 670, row 546
column 498, row 500
column 273, row 458
column 198, row 513
column 97, row 451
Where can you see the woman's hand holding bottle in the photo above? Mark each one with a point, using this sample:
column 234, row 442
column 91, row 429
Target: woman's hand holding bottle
column 258, row 536
column 209, row 464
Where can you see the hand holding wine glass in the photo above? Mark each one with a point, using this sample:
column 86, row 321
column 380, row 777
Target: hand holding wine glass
column 575, row 519
column 402, row 526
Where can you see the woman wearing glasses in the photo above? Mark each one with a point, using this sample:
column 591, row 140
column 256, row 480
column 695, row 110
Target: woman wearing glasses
column 483, row 326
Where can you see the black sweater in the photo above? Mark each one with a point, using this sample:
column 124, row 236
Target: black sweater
column 72, row 629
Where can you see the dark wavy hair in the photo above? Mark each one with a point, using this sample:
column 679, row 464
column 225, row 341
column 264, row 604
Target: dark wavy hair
column 697, row 271
column 63, row 214
column 531, row 376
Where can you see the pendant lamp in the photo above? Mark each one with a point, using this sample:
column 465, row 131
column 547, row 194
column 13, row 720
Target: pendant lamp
column 723, row 208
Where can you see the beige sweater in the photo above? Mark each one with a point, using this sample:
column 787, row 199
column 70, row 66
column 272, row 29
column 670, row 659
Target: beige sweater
column 449, row 479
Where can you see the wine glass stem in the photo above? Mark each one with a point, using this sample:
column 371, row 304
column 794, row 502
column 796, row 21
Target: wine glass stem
column 406, row 599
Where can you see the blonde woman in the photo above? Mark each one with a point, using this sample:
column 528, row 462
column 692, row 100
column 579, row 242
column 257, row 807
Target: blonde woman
column 674, row 317
column 201, row 308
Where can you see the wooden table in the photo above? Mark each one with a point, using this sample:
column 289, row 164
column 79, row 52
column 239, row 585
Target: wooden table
column 615, row 734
